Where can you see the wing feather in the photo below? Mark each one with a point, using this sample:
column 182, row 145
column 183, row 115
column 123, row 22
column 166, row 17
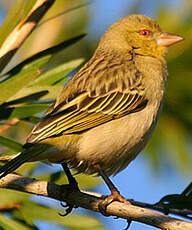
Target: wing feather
column 84, row 106
column 88, row 113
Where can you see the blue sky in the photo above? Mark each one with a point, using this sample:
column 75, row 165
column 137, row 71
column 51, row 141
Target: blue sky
column 138, row 181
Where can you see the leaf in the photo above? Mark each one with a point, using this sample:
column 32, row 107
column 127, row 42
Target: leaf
column 47, row 53
column 13, row 196
column 22, row 112
column 27, row 6
column 8, row 142
column 11, row 20
column 37, row 63
column 28, row 98
column 84, row 181
column 18, row 11
column 32, row 119
column 53, row 92
column 40, row 212
column 55, row 74
column 28, row 110
column 27, row 169
column 10, row 224
column 12, row 85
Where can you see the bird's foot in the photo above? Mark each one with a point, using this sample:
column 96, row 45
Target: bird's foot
column 115, row 196
column 72, row 187
column 128, row 224
column 68, row 210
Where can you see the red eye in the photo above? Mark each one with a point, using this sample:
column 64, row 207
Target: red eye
column 145, row 33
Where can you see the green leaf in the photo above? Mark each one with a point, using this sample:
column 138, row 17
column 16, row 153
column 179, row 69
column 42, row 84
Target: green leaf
column 11, row 20
column 32, row 119
column 13, row 196
column 53, row 92
column 27, row 169
column 55, row 74
column 28, row 110
column 22, row 112
column 28, row 98
column 12, row 85
column 36, row 63
column 8, row 142
column 27, row 6
column 45, row 54
column 9, row 224
column 39, row 212
column 84, row 181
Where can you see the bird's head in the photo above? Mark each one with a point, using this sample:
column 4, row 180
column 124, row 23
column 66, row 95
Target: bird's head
column 141, row 34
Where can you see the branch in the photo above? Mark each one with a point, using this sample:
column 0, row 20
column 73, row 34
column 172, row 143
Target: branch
column 185, row 213
column 22, row 31
column 90, row 201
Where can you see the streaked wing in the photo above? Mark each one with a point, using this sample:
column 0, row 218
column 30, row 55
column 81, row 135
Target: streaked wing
column 106, row 88
column 85, row 112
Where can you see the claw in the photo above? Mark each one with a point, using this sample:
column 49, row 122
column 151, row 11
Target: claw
column 69, row 207
column 102, row 207
column 68, row 210
column 71, row 187
column 128, row 224
column 115, row 196
column 64, row 205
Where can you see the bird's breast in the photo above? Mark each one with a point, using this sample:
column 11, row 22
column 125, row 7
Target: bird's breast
column 116, row 143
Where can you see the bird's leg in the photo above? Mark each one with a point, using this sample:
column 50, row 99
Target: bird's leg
column 72, row 182
column 72, row 186
column 115, row 194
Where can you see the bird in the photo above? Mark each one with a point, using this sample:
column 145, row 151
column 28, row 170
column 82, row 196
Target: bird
column 105, row 115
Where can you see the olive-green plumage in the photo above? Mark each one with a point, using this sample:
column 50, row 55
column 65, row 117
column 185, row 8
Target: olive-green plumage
column 107, row 112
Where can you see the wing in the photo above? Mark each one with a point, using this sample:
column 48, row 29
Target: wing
column 112, row 95
column 85, row 112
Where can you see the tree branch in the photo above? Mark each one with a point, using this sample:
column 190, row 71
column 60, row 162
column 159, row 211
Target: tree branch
column 90, row 201
column 22, row 31
column 185, row 213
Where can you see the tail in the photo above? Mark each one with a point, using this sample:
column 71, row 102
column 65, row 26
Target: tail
column 14, row 164
column 27, row 155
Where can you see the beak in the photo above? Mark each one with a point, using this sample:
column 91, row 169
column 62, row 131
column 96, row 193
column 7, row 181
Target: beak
column 168, row 39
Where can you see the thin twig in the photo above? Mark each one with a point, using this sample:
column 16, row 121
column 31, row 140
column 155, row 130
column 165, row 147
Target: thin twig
column 84, row 200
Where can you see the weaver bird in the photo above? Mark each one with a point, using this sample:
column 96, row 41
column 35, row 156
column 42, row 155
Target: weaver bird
column 106, row 114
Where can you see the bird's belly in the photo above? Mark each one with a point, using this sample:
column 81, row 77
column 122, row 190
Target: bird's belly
column 116, row 143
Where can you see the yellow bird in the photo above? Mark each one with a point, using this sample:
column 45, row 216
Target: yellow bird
column 106, row 114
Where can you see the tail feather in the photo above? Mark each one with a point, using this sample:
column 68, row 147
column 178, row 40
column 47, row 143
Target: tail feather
column 14, row 164
column 32, row 152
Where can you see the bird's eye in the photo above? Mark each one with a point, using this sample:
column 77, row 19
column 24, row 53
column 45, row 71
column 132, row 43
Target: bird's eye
column 144, row 33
